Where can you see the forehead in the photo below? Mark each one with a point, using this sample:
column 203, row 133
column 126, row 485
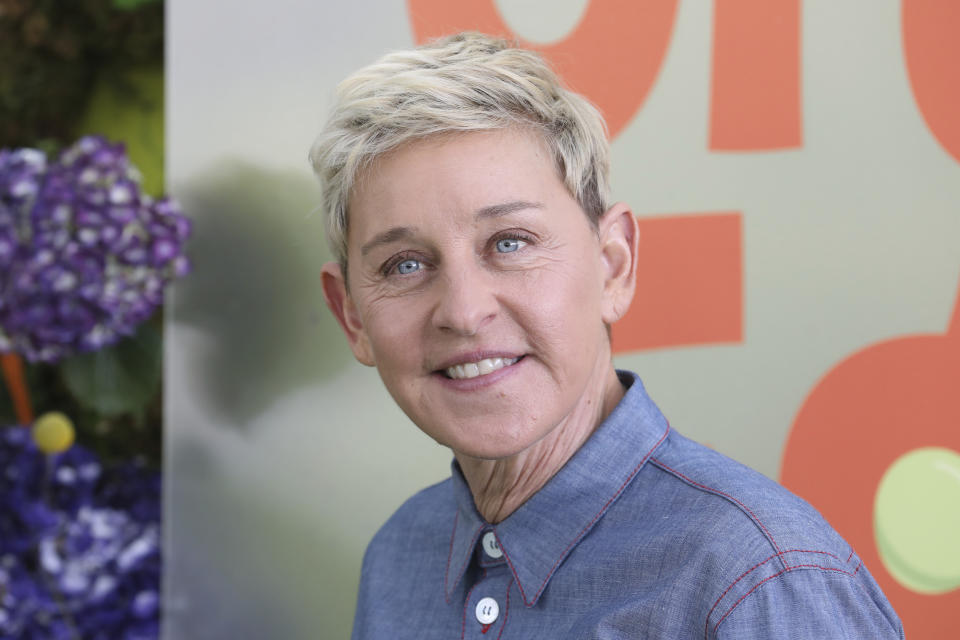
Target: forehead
column 452, row 173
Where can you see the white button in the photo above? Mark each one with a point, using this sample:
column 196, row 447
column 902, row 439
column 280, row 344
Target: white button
column 487, row 611
column 491, row 546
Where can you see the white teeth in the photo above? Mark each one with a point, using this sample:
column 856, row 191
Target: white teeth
column 482, row 368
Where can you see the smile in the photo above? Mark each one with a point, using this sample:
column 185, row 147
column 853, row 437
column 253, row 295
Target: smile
column 481, row 368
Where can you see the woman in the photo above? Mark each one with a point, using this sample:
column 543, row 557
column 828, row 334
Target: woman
column 479, row 268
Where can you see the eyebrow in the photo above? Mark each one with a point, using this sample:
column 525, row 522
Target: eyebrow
column 390, row 235
column 497, row 210
column 492, row 211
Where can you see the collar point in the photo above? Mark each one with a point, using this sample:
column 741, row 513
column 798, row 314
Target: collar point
column 448, row 588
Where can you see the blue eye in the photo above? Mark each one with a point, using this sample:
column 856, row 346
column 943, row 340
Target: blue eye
column 408, row 266
column 509, row 245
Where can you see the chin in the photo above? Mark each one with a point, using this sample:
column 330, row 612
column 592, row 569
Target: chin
column 497, row 446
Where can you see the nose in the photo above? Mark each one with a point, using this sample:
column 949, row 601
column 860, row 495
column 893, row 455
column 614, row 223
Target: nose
column 467, row 300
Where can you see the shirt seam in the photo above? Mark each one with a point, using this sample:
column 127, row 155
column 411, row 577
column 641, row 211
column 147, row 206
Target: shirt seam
column 448, row 590
column 491, row 563
column 744, row 508
column 446, row 573
column 751, row 570
column 506, row 611
column 466, row 605
column 781, row 573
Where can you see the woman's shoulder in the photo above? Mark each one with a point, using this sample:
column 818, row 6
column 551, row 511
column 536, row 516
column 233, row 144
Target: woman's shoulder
column 749, row 535
column 728, row 492
column 419, row 523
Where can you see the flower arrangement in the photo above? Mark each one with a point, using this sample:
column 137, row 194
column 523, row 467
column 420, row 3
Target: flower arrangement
column 84, row 260
column 79, row 542
column 84, row 255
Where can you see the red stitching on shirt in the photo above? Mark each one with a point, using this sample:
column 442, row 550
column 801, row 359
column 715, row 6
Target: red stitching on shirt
column 850, row 556
column 859, row 564
column 506, row 610
column 506, row 556
column 446, row 573
column 706, row 625
column 466, row 561
column 466, row 603
column 582, row 531
column 776, row 575
column 720, row 493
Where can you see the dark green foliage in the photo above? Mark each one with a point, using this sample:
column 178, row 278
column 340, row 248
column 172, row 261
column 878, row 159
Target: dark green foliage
column 51, row 52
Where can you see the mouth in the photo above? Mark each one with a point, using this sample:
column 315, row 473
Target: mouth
column 486, row 366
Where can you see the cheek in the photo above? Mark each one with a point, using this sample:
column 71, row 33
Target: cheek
column 394, row 329
column 571, row 289
column 563, row 300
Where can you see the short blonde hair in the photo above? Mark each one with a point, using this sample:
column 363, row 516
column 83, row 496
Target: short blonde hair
column 464, row 82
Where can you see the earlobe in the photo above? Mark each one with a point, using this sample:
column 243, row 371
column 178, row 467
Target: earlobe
column 618, row 246
column 341, row 305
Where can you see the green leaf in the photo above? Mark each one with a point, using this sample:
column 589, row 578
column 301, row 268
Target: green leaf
column 128, row 107
column 118, row 379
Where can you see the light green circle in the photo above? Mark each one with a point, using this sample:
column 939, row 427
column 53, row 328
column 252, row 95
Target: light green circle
column 916, row 520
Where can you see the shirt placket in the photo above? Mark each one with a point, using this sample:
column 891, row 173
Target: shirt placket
column 487, row 603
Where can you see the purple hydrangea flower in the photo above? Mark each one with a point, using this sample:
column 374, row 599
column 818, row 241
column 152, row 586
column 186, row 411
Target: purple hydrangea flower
column 84, row 254
column 79, row 544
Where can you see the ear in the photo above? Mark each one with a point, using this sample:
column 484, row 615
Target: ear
column 341, row 304
column 619, row 233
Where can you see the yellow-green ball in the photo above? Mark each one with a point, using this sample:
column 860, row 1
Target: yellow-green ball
column 916, row 520
column 53, row 432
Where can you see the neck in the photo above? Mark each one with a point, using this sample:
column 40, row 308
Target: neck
column 500, row 486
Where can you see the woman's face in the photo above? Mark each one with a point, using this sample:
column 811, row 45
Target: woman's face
column 478, row 288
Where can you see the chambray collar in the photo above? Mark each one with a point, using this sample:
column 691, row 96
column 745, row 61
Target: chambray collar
column 538, row 536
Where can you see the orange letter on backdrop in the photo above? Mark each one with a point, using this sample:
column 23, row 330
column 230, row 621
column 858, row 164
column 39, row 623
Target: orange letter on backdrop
column 612, row 56
column 931, row 47
column 755, row 98
column 689, row 284
column 896, row 396
column 876, row 405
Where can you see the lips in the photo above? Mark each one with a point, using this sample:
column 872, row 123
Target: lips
column 478, row 368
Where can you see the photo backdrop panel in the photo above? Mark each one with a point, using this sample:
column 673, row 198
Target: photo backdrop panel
column 795, row 168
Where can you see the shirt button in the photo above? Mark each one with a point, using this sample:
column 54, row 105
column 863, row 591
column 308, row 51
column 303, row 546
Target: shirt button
column 487, row 611
column 490, row 545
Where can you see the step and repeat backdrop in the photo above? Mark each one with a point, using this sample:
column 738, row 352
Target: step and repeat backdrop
column 795, row 168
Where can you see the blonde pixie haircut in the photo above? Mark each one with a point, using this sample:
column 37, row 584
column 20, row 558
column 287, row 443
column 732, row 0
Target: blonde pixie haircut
column 464, row 82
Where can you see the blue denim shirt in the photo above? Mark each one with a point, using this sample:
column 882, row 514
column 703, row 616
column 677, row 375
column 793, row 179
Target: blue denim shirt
column 642, row 534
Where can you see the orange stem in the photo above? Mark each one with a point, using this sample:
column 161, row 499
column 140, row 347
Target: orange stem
column 17, row 386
